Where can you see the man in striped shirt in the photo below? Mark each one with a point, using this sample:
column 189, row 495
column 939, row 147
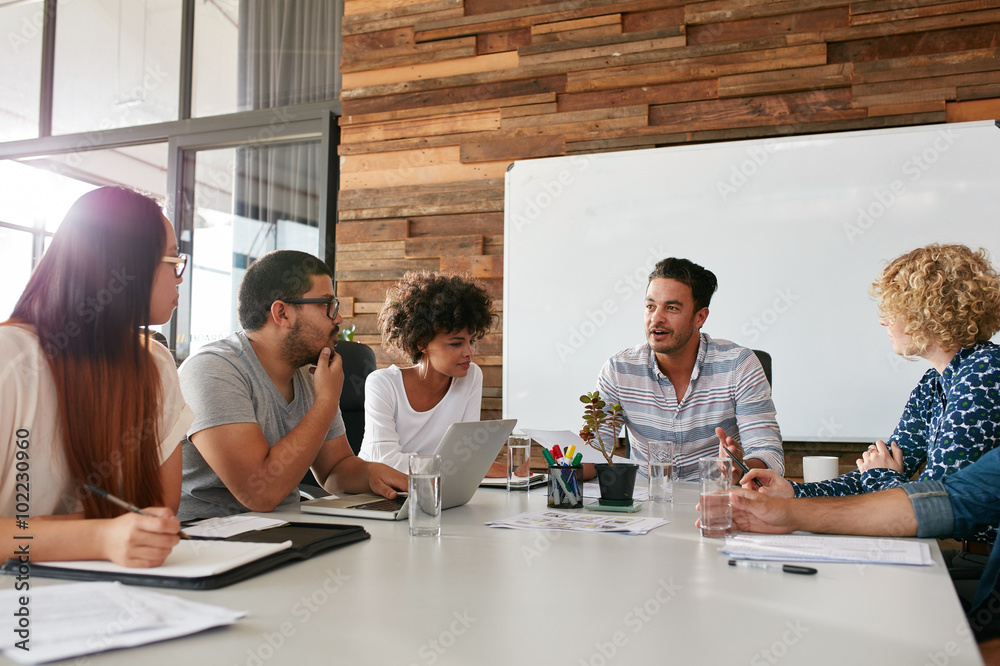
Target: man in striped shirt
column 685, row 387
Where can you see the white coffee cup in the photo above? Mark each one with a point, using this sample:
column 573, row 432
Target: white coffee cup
column 820, row 468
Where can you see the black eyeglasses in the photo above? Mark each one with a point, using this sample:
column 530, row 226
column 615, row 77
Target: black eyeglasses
column 180, row 262
column 332, row 304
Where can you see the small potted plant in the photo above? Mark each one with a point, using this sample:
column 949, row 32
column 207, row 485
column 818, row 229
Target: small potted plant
column 617, row 481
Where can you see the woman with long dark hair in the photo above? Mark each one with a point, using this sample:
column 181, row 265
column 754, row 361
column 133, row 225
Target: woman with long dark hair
column 87, row 396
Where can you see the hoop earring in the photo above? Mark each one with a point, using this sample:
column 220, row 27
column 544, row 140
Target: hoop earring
column 422, row 368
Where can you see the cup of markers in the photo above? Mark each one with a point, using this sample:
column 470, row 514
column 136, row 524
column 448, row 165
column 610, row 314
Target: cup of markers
column 565, row 489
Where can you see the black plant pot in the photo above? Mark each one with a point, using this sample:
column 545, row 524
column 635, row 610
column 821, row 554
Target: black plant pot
column 617, row 482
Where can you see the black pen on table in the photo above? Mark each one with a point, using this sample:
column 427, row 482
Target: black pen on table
column 787, row 568
column 743, row 466
column 123, row 504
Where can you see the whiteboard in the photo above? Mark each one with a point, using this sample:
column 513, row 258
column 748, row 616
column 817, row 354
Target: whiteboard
column 795, row 228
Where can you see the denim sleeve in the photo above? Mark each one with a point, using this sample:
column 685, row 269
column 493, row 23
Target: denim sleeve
column 932, row 507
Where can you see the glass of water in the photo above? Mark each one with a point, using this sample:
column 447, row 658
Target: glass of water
column 662, row 470
column 425, row 495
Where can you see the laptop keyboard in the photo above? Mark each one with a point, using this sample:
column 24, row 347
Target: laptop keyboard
column 382, row 505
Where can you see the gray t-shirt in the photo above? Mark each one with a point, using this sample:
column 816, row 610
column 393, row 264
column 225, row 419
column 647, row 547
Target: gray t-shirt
column 225, row 383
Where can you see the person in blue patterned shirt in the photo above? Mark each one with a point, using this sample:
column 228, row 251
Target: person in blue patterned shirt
column 683, row 386
column 940, row 303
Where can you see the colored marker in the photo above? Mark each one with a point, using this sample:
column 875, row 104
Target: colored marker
column 577, row 459
column 557, row 452
column 570, row 451
column 548, row 457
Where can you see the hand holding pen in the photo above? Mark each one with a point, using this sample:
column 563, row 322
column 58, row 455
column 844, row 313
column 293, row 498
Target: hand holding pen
column 140, row 538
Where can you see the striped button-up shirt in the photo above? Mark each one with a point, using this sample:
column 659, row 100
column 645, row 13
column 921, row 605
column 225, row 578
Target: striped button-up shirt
column 728, row 390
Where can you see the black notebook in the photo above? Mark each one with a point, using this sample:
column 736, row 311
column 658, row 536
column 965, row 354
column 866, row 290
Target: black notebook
column 208, row 564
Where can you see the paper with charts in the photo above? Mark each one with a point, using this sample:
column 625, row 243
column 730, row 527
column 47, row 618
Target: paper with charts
column 579, row 522
column 809, row 548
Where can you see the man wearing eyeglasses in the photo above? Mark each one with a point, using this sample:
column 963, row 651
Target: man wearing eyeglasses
column 266, row 399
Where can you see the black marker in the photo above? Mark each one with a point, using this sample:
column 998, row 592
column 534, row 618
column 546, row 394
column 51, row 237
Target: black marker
column 787, row 568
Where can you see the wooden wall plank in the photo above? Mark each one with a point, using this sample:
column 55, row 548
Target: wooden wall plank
column 413, row 54
column 373, row 22
column 486, row 224
column 506, row 40
column 787, row 80
column 476, row 121
column 910, row 10
column 477, row 267
column 984, row 109
column 443, row 246
column 447, row 109
column 604, row 47
column 654, row 19
column 735, row 31
column 511, row 149
column 572, row 25
column 369, row 8
column 577, row 36
column 684, row 91
column 356, row 105
column 432, row 70
column 754, row 111
column 712, row 66
column 375, row 230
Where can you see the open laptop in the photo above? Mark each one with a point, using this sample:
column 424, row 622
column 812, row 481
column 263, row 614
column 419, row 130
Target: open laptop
column 467, row 450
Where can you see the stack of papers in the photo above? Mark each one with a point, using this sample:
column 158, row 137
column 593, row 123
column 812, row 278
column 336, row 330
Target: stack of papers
column 808, row 548
column 579, row 522
column 84, row 618
column 228, row 526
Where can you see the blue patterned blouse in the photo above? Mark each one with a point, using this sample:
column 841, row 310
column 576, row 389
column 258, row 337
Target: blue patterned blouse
column 949, row 422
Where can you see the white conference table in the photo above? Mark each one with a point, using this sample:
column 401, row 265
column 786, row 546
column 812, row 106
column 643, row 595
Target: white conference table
column 480, row 595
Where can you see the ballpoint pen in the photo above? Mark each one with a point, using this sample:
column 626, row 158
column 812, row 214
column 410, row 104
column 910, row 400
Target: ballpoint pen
column 743, row 466
column 787, row 568
column 123, row 504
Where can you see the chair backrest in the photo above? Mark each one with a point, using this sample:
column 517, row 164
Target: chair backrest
column 359, row 362
column 765, row 362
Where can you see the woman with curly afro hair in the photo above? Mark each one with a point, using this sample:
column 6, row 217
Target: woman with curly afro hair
column 432, row 320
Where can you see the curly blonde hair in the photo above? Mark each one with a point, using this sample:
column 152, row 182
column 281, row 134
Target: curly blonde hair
column 947, row 295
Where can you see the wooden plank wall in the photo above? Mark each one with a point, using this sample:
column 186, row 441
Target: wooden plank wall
column 439, row 96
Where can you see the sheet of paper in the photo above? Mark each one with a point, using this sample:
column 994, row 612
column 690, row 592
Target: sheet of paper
column 83, row 618
column 227, row 526
column 551, row 519
column 190, row 559
column 810, row 548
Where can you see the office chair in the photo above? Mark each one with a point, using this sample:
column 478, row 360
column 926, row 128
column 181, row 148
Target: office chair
column 765, row 362
column 359, row 362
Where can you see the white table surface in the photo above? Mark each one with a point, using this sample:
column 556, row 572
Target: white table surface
column 479, row 595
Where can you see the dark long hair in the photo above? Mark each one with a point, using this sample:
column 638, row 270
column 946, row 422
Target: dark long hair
column 87, row 300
